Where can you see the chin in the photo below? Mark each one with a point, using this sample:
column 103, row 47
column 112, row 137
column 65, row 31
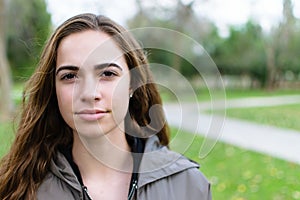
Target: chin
column 91, row 131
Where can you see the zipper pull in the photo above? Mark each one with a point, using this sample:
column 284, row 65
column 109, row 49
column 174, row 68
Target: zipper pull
column 135, row 184
column 86, row 192
column 133, row 189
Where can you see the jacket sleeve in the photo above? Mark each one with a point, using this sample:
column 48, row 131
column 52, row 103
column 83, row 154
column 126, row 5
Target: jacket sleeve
column 189, row 184
column 198, row 185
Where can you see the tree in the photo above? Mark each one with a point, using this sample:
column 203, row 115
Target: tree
column 282, row 47
column 179, row 17
column 242, row 53
column 6, row 103
column 28, row 27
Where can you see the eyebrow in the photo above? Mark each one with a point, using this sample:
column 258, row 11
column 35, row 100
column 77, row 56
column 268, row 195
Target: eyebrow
column 97, row 67
column 67, row 67
column 104, row 65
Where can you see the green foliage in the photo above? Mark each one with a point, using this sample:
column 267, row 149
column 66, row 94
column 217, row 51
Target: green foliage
column 238, row 174
column 265, row 57
column 164, row 57
column 180, row 18
column 287, row 40
column 243, row 52
column 288, row 53
column 28, row 26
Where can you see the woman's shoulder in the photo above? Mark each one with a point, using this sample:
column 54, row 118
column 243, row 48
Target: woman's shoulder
column 166, row 174
column 53, row 188
column 168, row 164
column 157, row 158
column 59, row 183
column 180, row 180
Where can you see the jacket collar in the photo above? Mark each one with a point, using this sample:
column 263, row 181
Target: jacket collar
column 61, row 168
column 159, row 162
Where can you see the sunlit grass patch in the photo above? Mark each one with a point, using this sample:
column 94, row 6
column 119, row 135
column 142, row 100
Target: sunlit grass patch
column 286, row 116
column 237, row 173
column 206, row 94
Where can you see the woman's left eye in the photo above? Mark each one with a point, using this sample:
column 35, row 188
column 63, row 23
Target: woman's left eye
column 108, row 74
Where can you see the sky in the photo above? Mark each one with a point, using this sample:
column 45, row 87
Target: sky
column 223, row 12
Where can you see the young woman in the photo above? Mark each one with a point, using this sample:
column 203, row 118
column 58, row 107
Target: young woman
column 85, row 131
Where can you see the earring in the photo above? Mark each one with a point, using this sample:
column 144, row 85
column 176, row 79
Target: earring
column 130, row 95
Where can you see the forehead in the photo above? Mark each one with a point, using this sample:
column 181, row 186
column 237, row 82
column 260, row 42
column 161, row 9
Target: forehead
column 88, row 48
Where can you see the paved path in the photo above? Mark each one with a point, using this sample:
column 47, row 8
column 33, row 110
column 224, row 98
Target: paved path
column 277, row 142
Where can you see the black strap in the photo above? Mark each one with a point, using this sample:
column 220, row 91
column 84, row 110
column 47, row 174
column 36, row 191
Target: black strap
column 137, row 149
column 68, row 154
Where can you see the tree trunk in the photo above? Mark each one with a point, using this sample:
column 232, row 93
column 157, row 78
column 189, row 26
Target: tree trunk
column 271, row 68
column 6, row 103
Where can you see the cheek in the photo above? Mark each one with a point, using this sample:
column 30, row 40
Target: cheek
column 64, row 99
column 120, row 99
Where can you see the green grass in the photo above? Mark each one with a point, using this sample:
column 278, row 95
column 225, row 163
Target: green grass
column 6, row 137
column 238, row 174
column 235, row 93
column 286, row 116
column 206, row 95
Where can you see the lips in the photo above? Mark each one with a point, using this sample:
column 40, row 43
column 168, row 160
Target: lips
column 91, row 114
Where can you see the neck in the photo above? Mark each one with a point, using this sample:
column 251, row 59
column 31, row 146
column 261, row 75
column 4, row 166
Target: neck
column 102, row 155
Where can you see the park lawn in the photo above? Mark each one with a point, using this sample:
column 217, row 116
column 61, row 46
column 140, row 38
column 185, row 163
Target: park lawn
column 285, row 116
column 204, row 94
column 238, row 174
column 240, row 93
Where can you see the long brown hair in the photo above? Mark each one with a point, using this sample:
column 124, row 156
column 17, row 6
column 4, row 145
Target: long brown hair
column 42, row 131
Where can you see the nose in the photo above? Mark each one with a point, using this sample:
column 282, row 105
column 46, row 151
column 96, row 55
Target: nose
column 89, row 91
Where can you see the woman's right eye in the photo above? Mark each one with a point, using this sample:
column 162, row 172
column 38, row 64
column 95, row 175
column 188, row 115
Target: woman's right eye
column 68, row 76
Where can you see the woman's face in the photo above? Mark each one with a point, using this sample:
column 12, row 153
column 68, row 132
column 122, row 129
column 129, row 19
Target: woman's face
column 92, row 83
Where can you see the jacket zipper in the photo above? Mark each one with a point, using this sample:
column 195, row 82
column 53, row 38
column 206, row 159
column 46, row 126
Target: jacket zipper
column 86, row 192
column 133, row 189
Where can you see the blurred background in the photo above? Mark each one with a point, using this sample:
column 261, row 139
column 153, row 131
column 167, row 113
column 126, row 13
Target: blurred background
column 254, row 44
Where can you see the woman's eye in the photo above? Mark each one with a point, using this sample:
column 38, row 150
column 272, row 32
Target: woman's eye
column 108, row 74
column 68, row 76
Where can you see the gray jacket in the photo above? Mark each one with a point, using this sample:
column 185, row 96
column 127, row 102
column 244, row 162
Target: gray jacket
column 164, row 174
